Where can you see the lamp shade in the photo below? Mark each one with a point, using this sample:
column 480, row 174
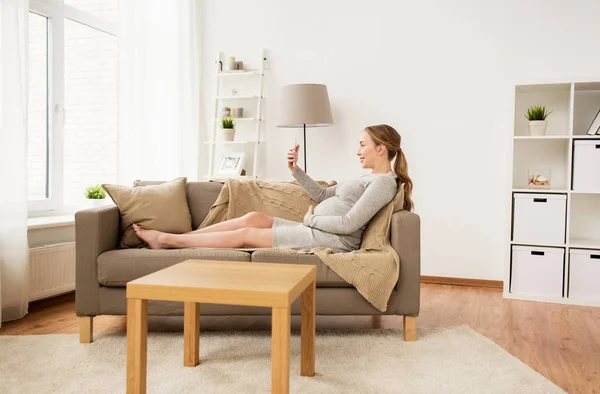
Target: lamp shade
column 305, row 104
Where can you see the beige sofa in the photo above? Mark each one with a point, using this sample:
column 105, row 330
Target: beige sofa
column 103, row 269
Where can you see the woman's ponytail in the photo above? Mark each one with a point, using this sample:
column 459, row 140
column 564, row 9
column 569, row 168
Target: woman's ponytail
column 401, row 169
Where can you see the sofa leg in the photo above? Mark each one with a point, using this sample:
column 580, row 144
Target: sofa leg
column 86, row 329
column 376, row 321
column 410, row 328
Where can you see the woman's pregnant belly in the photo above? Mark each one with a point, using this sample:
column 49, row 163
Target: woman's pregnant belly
column 333, row 206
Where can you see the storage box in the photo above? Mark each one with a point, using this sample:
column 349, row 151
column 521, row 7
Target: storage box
column 584, row 274
column 537, row 271
column 586, row 166
column 539, row 218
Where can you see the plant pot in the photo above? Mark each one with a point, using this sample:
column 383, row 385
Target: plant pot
column 97, row 202
column 228, row 134
column 538, row 127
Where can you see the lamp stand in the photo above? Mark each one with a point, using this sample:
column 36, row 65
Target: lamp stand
column 305, row 170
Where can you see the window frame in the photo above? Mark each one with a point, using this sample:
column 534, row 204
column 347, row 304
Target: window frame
column 56, row 14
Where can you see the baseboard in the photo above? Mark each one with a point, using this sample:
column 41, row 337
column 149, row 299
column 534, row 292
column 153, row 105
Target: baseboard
column 442, row 280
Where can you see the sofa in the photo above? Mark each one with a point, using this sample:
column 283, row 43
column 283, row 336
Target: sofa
column 103, row 269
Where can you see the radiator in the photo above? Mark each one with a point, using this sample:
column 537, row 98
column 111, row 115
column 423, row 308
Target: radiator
column 51, row 270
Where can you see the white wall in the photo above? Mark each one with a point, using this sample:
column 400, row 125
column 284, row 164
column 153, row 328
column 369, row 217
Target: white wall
column 442, row 73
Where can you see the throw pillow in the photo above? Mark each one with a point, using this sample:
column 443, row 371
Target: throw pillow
column 160, row 207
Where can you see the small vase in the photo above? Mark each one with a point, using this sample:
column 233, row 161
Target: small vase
column 225, row 112
column 228, row 134
column 232, row 64
column 538, row 127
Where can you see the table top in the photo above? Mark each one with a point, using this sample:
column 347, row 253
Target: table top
column 225, row 282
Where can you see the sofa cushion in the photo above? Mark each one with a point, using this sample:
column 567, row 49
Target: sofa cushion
column 117, row 267
column 200, row 197
column 325, row 275
column 158, row 207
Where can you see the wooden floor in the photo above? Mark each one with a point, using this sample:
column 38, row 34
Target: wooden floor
column 562, row 342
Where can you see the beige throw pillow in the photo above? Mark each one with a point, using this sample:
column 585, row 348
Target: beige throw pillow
column 160, row 207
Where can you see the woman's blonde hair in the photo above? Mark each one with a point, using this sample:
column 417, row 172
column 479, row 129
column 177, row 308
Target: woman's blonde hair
column 387, row 136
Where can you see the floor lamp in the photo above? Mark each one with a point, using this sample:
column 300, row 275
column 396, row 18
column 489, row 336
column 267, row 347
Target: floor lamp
column 305, row 105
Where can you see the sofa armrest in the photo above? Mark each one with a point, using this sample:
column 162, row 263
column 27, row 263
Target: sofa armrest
column 405, row 237
column 96, row 231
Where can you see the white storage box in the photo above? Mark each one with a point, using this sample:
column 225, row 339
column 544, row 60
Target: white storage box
column 586, row 166
column 537, row 271
column 539, row 218
column 584, row 274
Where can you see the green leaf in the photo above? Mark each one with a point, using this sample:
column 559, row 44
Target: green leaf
column 95, row 192
column 537, row 112
column 227, row 123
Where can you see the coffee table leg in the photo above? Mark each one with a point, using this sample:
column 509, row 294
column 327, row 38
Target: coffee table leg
column 191, row 334
column 280, row 350
column 137, row 345
column 307, row 331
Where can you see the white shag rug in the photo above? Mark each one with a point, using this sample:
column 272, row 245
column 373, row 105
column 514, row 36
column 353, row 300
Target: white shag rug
column 442, row 360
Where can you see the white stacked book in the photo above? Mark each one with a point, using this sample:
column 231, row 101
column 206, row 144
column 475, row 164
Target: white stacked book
column 595, row 126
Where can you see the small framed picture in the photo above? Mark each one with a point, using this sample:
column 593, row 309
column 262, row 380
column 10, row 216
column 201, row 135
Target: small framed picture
column 231, row 164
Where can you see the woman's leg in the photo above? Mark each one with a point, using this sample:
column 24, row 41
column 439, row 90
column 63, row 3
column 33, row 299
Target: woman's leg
column 251, row 219
column 244, row 237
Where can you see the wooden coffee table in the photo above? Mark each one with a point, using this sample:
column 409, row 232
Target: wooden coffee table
column 224, row 282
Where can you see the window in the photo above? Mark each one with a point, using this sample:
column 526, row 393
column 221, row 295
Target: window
column 38, row 133
column 72, row 101
column 90, row 142
column 106, row 9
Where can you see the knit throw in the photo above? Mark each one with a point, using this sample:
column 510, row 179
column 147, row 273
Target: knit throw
column 373, row 269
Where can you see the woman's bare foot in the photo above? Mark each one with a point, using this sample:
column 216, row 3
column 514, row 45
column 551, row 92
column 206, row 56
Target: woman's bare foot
column 153, row 238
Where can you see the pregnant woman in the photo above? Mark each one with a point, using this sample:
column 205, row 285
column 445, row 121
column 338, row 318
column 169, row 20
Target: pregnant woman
column 338, row 221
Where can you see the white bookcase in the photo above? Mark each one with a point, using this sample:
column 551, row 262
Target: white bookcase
column 539, row 270
column 239, row 89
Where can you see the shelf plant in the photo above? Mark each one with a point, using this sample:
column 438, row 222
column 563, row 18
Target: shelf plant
column 228, row 128
column 537, row 115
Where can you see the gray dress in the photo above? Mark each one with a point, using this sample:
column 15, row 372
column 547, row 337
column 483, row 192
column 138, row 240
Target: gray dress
column 341, row 216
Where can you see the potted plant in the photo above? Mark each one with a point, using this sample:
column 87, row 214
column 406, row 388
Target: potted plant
column 228, row 126
column 95, row 195
column 537, row 119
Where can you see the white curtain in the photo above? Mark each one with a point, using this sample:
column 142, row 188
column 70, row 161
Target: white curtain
column 14, row 251
column 158, row 89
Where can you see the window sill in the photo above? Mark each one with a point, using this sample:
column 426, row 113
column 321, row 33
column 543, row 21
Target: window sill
column 60, row 217
column 50, row 221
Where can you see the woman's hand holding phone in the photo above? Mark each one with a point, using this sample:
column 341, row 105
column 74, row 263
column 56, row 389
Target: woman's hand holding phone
column 292, row 157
